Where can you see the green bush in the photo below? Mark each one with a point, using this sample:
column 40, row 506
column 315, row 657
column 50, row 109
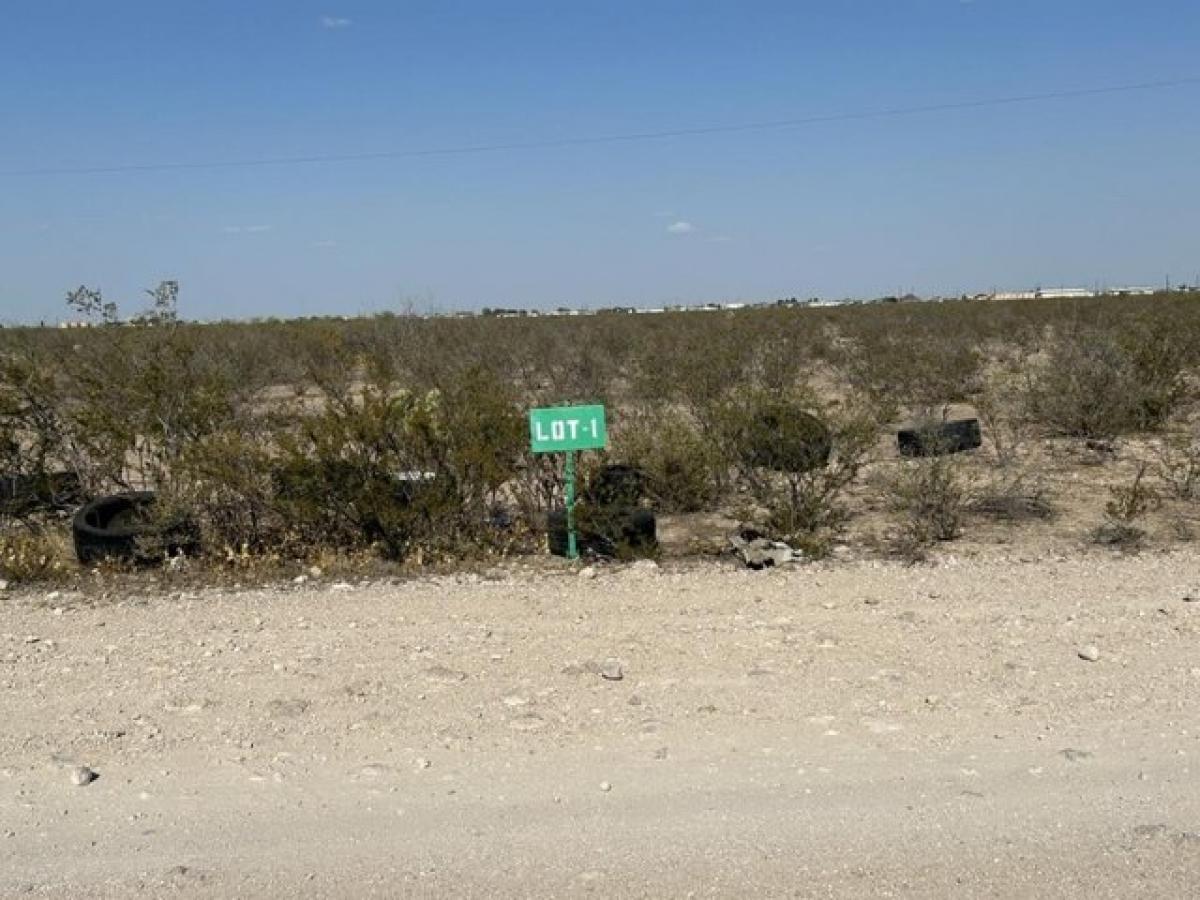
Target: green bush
column 681, row 466
column 805, row 504
column 931, row 497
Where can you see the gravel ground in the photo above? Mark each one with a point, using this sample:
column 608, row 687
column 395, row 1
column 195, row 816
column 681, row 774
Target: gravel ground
column 857, row 729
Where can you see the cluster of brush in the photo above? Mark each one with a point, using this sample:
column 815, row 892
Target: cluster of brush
column 610, row 520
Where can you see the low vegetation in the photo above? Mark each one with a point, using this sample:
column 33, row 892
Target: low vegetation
column 403, row 438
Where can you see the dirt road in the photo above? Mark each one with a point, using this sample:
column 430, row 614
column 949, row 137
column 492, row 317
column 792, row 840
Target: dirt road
column 856, row 730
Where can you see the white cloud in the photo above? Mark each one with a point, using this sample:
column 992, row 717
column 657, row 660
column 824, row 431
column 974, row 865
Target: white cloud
column 335, row 22
column 680, row 227
column 246, row 229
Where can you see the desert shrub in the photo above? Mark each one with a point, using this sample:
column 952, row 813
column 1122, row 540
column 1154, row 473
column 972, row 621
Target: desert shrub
column 805, row 504
column 914, row 369
column 34, row 556
column 34, row 439
column 1126, row 506
column 224, row 480
column 385, row 466
column 682, row 468
column 141, row 395
column 1101, row 385
column 1002, row 405
column 931, row 497
column 1178, row 465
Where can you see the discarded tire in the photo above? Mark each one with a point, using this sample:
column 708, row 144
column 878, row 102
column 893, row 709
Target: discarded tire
column 608, row 533
column 940, row 438
column 786, row 439
column 21, row 495
column 123, row 527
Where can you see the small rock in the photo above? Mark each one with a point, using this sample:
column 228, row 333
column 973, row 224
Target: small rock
column 634, row 700
column 423, row 763
column 611, row 670
column 3, row 585
column 587, row 572
column 1070, row 754
column 871, row 601
column 605, row 786
column 81, row 776
column 1089, row 653
column 1190, row 598
column 759, row 553
column 315, row 572
column 300, row 579
column 444, row 675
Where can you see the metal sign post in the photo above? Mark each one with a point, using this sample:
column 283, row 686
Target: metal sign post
column 572, row 548
column 566, row 429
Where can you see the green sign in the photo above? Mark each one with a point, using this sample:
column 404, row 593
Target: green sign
column 558, row 429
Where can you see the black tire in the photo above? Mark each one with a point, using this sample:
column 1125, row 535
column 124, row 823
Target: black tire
column 610, row 534
column 940, row 438
column 115, row 527
column 785, row 439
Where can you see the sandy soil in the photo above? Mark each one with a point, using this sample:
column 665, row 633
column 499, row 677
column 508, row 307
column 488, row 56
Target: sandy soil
column 855, row 729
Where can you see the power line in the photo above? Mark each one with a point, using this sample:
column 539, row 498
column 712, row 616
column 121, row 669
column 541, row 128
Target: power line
column 894, row 112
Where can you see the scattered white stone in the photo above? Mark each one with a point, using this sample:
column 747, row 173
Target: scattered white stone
column 611, row 670
column 1089, row 653
column 605, row 786
column 423, row 763
column 341, row 586
column 300, row 579
column 3, row 585
column 587, row 572
column 81, row 776
column 315, row 572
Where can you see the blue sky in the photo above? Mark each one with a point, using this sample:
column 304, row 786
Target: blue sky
column 1099, row 188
